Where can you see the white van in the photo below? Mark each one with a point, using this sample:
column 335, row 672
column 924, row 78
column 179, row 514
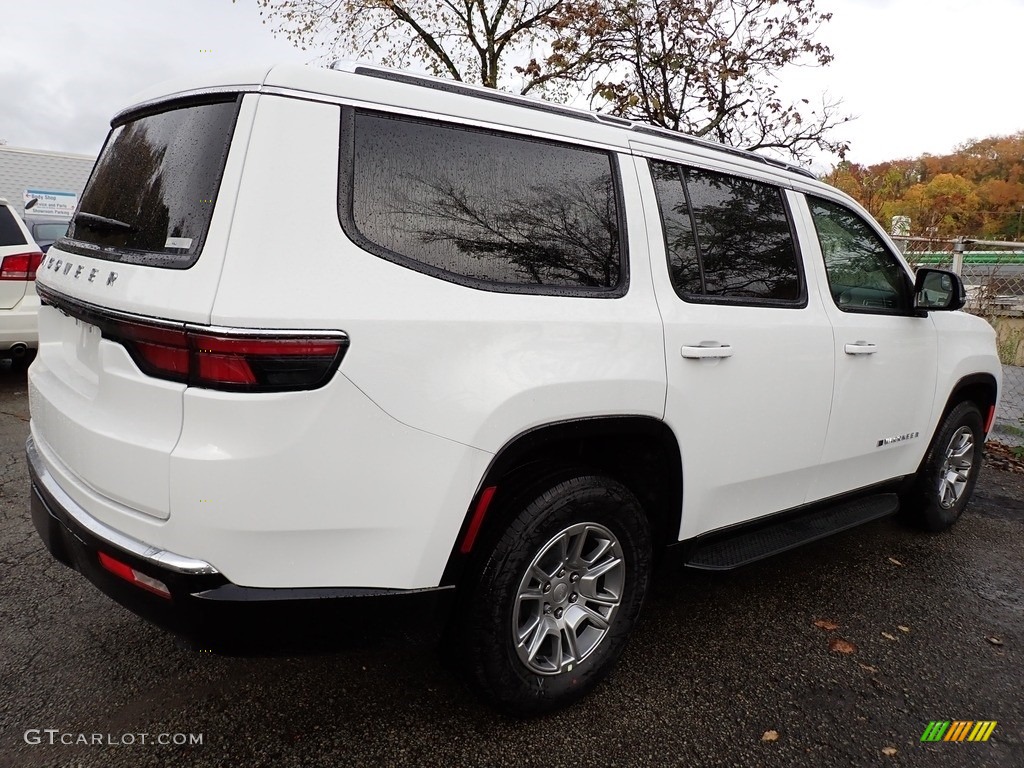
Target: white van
column 319, row 339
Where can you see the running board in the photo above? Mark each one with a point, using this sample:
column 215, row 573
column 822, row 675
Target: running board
column 726, row 551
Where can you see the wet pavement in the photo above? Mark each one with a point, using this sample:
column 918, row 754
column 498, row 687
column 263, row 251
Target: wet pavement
column 936, row 624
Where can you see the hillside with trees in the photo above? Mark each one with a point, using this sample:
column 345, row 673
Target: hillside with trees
column 976, row 191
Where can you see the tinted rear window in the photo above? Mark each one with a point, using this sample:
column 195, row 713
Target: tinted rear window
column 485, row 209
column 10, row 232
column 151, row 195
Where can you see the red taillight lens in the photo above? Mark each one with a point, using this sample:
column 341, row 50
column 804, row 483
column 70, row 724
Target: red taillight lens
column 250, row 362
column 157, row 351
column 20, row 266
column 271, row 363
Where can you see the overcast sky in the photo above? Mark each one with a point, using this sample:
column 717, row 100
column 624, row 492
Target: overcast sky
column 919, row 75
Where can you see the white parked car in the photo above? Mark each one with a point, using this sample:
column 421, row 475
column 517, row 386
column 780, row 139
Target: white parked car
column 319, row 339
column 19, row 304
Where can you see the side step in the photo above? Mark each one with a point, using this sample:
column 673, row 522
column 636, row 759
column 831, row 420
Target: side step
column 731, row 550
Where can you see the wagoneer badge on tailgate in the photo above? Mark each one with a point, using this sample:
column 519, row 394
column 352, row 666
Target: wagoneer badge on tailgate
column 55, row 264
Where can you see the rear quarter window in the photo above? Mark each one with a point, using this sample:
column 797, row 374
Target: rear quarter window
column 151, row 195
column 481, row 208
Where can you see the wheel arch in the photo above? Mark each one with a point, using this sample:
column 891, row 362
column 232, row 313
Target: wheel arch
column 641, row 452
column 979, row 388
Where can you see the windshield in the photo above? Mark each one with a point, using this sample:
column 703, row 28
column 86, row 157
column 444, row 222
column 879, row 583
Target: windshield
column 151, row 195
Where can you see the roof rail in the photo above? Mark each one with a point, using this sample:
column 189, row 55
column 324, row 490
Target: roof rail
column 686, row 138
column 492, row 94
column 465, row 89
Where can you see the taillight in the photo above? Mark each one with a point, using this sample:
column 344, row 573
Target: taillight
column 20, row 266
column 237, row 362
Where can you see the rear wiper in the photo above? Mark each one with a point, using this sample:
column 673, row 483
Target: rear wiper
column 94, row 221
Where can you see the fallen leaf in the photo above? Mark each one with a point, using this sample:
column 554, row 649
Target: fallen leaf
column 770, row 736
column 888, row 751
column 887, row 636
column 839, row 645
column 827, row 625
column 894, row 561
column 901, row 628
column 868, row 668
column 995, row 640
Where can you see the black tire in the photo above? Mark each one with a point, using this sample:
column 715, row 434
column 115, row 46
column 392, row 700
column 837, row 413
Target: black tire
column 597, row 513
column 937, row 499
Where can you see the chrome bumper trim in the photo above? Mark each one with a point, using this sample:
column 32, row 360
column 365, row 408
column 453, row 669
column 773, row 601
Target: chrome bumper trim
column 158, row 557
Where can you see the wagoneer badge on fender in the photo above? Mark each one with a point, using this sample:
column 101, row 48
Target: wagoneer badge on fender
column 897, row 439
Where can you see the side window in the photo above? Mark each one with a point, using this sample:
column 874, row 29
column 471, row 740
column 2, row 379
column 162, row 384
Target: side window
column 728, row 239
column 863, row 274
column 480, row 208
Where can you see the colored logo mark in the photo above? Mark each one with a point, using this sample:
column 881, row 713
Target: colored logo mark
column 958, row 730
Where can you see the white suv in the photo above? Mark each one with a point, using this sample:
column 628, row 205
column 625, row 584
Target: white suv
column 19, row 304
column 324, row 339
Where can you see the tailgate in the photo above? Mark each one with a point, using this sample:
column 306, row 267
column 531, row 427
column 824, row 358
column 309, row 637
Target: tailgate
column 167, row 180
column 99, row 418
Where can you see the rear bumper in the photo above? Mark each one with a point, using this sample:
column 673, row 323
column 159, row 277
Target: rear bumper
column 207, row 609
column 20, row 324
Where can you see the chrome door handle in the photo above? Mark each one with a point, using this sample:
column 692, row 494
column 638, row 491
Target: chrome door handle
column 705, row 350
column 861, row 348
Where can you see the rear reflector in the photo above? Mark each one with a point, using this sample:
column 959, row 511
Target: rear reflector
column 129, row 574
column 479, row 513
column 990, row 418
column 20, row 266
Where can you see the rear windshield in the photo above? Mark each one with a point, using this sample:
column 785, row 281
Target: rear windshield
column 49, row 231
column 150, row 198
column 10, row 232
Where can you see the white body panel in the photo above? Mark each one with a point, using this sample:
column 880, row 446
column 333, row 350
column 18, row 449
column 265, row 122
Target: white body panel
column 751, row 426
column 486, row 366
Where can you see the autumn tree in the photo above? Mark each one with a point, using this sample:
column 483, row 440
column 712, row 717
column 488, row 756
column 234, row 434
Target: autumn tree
column 877, row 185
column 710, row 68
column 945, row 207
column 975, row 191
column 468, row 40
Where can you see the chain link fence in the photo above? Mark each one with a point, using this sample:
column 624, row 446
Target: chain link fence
column 993, row 273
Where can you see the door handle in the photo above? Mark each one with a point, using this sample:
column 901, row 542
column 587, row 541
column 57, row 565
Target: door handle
column 861, row 348
column 705, row 350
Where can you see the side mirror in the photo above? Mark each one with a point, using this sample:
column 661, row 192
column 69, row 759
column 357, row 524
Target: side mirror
column 938, row 290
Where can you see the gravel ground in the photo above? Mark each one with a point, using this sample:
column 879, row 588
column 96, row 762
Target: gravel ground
column 937, row 622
